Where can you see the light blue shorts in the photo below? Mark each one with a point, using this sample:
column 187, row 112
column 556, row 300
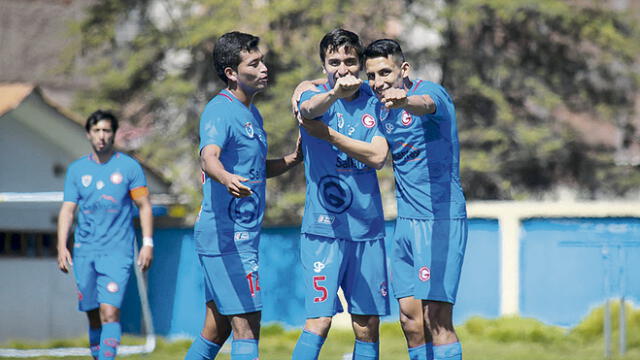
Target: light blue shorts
column 232, row 282
column 358, row 267
column 101, row 279
column 427, row 258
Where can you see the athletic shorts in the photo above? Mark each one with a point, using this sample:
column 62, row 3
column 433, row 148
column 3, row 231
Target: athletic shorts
column 358, row 267
column 232, row 282
column 427, row 258
column 101, row 279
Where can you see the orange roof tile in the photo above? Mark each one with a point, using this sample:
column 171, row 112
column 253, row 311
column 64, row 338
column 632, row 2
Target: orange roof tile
column 12, row 94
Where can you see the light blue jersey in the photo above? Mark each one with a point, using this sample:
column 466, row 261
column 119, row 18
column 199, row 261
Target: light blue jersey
column 426, row 157
column 103, row 193
column 343, row 198
column 227, row 224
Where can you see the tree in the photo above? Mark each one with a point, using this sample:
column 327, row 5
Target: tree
column 152, row 61
column 517, row 68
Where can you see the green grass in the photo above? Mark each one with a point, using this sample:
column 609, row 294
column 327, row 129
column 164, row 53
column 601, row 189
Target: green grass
column 505, row 338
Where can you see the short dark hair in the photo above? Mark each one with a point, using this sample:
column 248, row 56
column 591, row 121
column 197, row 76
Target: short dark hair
column 337, row 38
column 100, row 115
column 384, row 48
column 226, row 52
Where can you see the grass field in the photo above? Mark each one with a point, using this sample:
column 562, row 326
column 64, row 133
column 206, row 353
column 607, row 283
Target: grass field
column 506, row 338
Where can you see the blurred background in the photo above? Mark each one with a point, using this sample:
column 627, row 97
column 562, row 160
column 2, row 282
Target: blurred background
column 548, row 105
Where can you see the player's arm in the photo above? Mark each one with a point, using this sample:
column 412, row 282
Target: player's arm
column 65, row 220
column 320, row 103
column 145, row 257
column 373, row 154
column 306, row 85
column 276, row 167
column 414, row 104
column 211, row 165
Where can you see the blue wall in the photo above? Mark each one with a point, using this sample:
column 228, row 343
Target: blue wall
column 561, row 274
column 566, row 263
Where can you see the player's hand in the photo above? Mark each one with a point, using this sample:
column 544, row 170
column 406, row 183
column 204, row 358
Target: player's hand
column 234, row 186
column 298, row 157
column 145, row 258
column 64, row 260
column 346, row 86
column 395, row 98
column 315, row 128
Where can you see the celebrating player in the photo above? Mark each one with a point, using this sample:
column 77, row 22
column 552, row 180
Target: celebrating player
column 102, row 186
column 419, row 121
column 342, row 240
column 233, row 150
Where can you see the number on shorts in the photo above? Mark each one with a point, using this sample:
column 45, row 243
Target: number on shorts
column 253, row 288
column 320, row 288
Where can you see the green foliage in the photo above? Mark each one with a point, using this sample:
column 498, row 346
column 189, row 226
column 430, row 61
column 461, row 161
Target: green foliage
column 512, row 66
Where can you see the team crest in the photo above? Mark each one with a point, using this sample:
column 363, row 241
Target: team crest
column 248, row 128
column 384, row 113
column 86, row 180
column 424, row 274
column 340, row 120
column 99, row 185
column 368, row 121
column 406, row 118
column 116, row 178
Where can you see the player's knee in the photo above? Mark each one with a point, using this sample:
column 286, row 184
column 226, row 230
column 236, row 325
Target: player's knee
column 366, row 327
column 439, row 317
column 109, row 313
column 410, row 322
column 319, row 325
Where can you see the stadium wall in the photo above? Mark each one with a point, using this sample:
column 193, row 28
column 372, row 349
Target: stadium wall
column 552, row 262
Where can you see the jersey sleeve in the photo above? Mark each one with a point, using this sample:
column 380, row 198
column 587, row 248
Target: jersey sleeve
column 71, row 193
column 214, row 127
column 137, row 181
column 439, row 95
column 307, row 95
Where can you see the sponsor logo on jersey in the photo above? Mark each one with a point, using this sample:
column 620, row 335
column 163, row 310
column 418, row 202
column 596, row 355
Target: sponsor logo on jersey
column 351, row 130
column 318, row 266
column 405, row 151
column 424, row 274
column 325, row 219
column 99, row 185
column 346, row 162
column 406, row 118
column 116, row 178
column 241, row 235
column 383, row 289
column 112, row 287
column 248, row 128
column 334, row 194
column 86, row 180
column 368, row 121
column 388, row 127
column 246, row 211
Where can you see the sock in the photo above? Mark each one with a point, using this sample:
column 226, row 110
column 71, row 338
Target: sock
column 308, row 346
column 94, row 341
column 202, row 349
column 366, row 350
column 109, row 340
column 451, row 351
column 418, row 352
column 244, row 349
column 429, row 347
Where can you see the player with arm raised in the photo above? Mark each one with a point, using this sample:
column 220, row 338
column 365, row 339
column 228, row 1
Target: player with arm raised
column 103, row 187
column 233, row 150
column 342, row 240
column 419, row 121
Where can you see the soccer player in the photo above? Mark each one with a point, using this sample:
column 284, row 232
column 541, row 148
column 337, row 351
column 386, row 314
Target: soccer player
column 418, row 119
column 342, row 240
column 103, row 187
column 233, row 150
